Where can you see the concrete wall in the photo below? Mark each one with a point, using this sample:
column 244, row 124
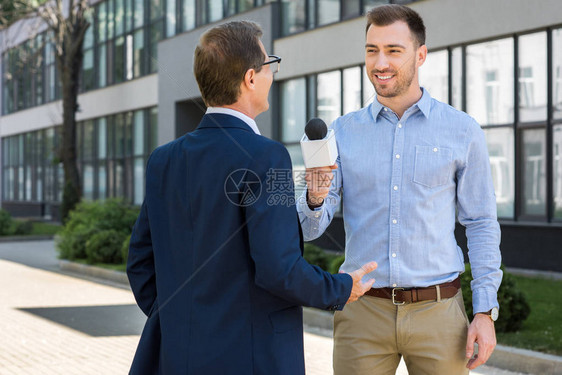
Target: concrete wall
column 448, row 22
column 176, row 82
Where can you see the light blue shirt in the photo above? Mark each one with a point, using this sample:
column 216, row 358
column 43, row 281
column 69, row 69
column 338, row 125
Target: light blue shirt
column 401, row 181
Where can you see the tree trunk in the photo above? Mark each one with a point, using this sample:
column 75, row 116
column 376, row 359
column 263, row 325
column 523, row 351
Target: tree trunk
column 69, row 70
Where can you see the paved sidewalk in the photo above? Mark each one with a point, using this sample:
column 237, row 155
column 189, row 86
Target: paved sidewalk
column 52, row 323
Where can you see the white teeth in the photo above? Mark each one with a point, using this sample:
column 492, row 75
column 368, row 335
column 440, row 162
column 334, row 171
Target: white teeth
column 384, row 77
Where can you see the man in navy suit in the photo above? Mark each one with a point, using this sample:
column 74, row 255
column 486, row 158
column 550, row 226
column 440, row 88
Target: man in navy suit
column 215, row 258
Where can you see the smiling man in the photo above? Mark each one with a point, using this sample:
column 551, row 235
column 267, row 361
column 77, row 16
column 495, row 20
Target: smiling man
column 406, row 164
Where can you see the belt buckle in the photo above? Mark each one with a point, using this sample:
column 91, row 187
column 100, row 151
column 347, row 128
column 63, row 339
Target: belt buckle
column 394, row 302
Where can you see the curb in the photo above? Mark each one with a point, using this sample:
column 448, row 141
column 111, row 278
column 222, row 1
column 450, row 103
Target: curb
column 504, row 357
column 27, row 238
column 93, row 271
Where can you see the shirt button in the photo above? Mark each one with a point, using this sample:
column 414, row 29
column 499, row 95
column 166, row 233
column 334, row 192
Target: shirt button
column 316, row 215
column 394, row 255
column 394, row 221
column 394, row 285
column 435, row 149
column 397, row 156
column 395, row 188
column 400, row 125
column 386, row 109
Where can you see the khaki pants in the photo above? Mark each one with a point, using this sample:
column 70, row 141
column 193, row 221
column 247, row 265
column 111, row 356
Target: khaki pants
column 372, row 334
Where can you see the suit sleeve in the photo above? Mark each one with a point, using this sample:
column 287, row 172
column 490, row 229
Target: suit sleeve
column 273, row 232
column 140, row 262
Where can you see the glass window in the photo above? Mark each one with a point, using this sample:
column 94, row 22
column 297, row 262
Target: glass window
column 128, row 134
column 215, row 9
column 244, row 5
column 368, row 88
column 434, row 75
column 110, row 19
column 456, row 77
column 293, row 16
column 534, row 172
column 102, row 66
column 102, row 21
column 119, row 59
column 557, row 173
column 350, row 9
column 128, row 15
column 88, row 182
column 351, row 89
column 138, row 132
column 119, row 178
column 155, row 37
column 532, row 77
column 88, row 70
column 299, row 170
column 119, row 136
column 156, row 9
column 138, row 53
column 170, row 18
column 88, row 37
column 328, row 11
column 293, row 109
column 139, row 181
column 102, row 181
column 188, row 15
column 153, row 129
column 88, row 141
column 557, row 73
column 489, row 69
column 102, row 138
column 139, row 13
column 370, row 4
column 502, row 162
column 119, row 17
column 329, row 96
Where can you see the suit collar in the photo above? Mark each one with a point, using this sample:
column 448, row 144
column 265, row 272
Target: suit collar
column 223, row 121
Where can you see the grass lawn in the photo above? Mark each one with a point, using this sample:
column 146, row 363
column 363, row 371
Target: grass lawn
column 44, row 228
column 542, row 331
column 115, row 267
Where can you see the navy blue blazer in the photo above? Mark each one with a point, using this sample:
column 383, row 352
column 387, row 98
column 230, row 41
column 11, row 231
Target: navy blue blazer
column 216, row 264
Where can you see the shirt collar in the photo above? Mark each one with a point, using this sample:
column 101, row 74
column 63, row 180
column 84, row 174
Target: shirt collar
column 227, row 111
column 424, row 105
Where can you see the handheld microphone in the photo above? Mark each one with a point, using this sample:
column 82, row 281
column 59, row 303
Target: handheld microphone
column 315, row 129
column 318, row 144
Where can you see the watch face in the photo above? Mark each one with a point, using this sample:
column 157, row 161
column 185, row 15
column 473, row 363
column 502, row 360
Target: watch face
column 494, row 314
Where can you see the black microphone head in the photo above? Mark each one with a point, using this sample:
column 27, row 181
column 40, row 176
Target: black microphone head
column 315, row 129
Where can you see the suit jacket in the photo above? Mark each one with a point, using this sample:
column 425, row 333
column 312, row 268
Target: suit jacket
column 215, row 258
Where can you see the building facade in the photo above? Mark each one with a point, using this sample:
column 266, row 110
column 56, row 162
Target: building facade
column 499, row 60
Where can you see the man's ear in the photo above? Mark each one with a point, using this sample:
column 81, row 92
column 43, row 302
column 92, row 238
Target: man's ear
column 421, row 55
column 249, row 79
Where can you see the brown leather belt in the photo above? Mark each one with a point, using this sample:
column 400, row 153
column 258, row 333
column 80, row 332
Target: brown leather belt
column 400, row 296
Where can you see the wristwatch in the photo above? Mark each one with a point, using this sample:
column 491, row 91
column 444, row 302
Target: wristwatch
column 493, row 314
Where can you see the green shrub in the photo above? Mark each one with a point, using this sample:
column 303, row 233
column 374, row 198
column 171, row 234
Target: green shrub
column 90, row 218
column 5, row 223
column 125, row 248
column 318, row 257
column 21, row 228
column 514, row 308
column 336, row 263
column 105, row 247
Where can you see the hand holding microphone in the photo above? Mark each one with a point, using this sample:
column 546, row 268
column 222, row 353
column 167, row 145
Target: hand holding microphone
column 319, row 153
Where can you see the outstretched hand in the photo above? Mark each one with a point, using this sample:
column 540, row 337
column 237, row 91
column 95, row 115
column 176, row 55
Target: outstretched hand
column 359, row 288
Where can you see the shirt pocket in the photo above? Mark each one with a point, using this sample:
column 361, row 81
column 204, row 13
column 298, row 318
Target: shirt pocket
column 432, row 165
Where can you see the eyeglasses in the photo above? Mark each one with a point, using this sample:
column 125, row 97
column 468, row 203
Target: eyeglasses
column 274, row 61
